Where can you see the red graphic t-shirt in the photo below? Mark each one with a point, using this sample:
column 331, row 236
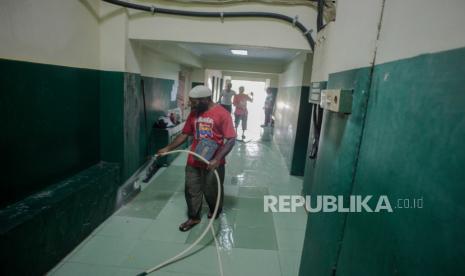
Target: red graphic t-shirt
column 215, row 124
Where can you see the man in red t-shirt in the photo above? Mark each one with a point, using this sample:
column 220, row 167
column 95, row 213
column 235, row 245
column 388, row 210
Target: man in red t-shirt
column 241, row 113
column 214, row 137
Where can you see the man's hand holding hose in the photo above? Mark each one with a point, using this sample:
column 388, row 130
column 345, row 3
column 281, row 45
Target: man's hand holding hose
column 214, row 163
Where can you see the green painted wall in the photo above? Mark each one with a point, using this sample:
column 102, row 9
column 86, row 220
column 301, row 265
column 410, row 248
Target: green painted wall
column 111, row 116
column 57, row 123
column 158, row 97
column 126, row 134
column 309, row 163
column 413, row 146
column 49, row 130
column 292, row 125
column 158, row 102
column 56, row 189
column 135, row 141
column 334, row 168
column 301, row 137
column 410, row 147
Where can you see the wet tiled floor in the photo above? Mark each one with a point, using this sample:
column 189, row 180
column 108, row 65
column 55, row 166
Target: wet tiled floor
column 145, row 232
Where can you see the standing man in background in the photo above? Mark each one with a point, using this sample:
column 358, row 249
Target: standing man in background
column 226, row 96
column 214, row 137
column 241, row 112
column 268, row 107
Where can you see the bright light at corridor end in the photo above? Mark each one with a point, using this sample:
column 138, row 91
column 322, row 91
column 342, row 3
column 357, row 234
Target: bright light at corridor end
column 239, row 52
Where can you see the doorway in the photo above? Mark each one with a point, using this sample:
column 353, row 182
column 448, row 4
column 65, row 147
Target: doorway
column 256, row 115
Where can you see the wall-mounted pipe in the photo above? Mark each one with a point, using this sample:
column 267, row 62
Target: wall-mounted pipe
column 152, row 9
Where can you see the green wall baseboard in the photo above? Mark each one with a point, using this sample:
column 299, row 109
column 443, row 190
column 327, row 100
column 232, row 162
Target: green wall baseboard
column 37, row 232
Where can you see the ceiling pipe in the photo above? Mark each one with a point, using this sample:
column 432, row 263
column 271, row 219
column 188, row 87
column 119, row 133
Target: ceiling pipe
column 152, row 9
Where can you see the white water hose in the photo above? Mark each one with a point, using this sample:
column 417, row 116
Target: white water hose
column 209, row 226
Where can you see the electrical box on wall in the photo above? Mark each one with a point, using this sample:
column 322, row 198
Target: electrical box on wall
column 315, row 92
column 337, row 100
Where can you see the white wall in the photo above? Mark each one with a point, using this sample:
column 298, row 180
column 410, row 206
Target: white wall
column 198, row 75
column 307, row 70
column 274, row 83
column 414, row 27
column 94, row 34
column 171, row 51
column 294, row 72
column 321, row 58
column 274, row 78
column 134, row 57
column 350, row 41
column 244, row 66
column 118, row 53
column 408, row 28
column 59, row 32
column 239, row 31
column 353, row 38
column 154, row 65
column 209, row 73
column 113, row 29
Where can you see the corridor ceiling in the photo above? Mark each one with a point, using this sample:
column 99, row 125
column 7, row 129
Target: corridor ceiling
column 255, row 54
column 273, row 59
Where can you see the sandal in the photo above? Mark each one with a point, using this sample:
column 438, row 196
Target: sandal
column 188, row 224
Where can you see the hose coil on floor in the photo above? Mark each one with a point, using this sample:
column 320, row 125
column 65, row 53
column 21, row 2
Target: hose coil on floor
column 209, row 226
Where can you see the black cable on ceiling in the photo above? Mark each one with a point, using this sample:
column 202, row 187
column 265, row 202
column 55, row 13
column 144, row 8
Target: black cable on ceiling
column 152, row 9
column 319, row 18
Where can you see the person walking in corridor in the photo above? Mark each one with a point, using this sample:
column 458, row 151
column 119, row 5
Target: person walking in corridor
column 241, row 112
column 226, row 96
column 213, row 138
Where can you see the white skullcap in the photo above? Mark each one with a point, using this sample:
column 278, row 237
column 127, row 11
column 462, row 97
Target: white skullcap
column 200, row 91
